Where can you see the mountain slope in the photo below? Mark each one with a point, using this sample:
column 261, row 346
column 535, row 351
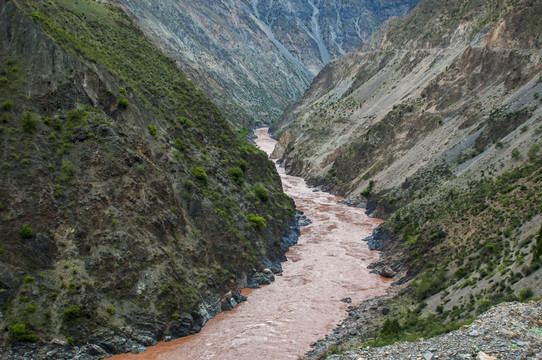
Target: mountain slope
column 254, row 58
column 435, row 125
column 130, row 211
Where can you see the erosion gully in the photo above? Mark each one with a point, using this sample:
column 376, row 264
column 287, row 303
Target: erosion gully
column 281, row 320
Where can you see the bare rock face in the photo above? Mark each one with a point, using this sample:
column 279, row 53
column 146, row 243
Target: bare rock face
column 410, row 106
column 254, row 58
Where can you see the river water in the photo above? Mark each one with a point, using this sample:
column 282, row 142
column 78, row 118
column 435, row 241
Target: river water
column 281, row 320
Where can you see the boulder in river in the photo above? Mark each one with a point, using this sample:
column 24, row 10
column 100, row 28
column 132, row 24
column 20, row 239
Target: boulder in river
column 387, row 272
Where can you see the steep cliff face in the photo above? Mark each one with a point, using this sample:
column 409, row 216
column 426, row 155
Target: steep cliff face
column 435, row 124
column 128, row 206
column 409, row 99
column 254, row 58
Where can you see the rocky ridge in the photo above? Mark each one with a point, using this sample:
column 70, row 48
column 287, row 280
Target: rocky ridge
column 254, row 58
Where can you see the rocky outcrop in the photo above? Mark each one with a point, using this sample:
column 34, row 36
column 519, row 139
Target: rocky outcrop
column 379, row 239
column 254, row 58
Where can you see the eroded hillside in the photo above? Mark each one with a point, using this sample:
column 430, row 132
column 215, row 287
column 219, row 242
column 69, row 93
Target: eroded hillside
column 435, row 124
column 254, row 58
column 129, row 209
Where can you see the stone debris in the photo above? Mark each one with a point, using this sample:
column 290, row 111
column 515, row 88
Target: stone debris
column 509, row 331
column 483, row 356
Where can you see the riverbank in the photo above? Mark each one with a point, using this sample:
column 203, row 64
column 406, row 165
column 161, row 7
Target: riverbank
column 505, row 332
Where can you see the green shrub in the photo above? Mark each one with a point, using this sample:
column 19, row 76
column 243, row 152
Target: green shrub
column 71, row 313
column 261, row 193
column 176, row 316
column 111, row 310
column 516, row 154
column 57, row 125
column 533, row 151
column 178, row 143
column 47, row 120
column 123, row 102
column 67, row 171
column 26, row 231
column 257, row 221
column 184, row 121
column 28, row 279
column 152, row 129
column 525, row 294
column 242, row 165
column 391, row 328
column 20, row 332
column 75, row 118
column 122, row 90
column 200, row 175
column 431, row 282
column 70, row 340
column 3, row 80
column 7, row 105
column 35, row 16
column 4, row 118
column 58, row 190
column 460, row 273
column 29, row 123
column 236, row 175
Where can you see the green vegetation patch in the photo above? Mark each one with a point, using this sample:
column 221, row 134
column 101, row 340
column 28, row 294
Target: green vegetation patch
column 200, row 175
column 236, row 175
column 22, row 333
column 257, row 221
column 71, row 313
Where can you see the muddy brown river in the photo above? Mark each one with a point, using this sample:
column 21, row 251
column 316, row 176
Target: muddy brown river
column 281, row 320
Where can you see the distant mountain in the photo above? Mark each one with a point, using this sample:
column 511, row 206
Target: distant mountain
column 254, row 58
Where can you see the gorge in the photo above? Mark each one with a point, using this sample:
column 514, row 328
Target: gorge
column 133, row 208
column 303, row 304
